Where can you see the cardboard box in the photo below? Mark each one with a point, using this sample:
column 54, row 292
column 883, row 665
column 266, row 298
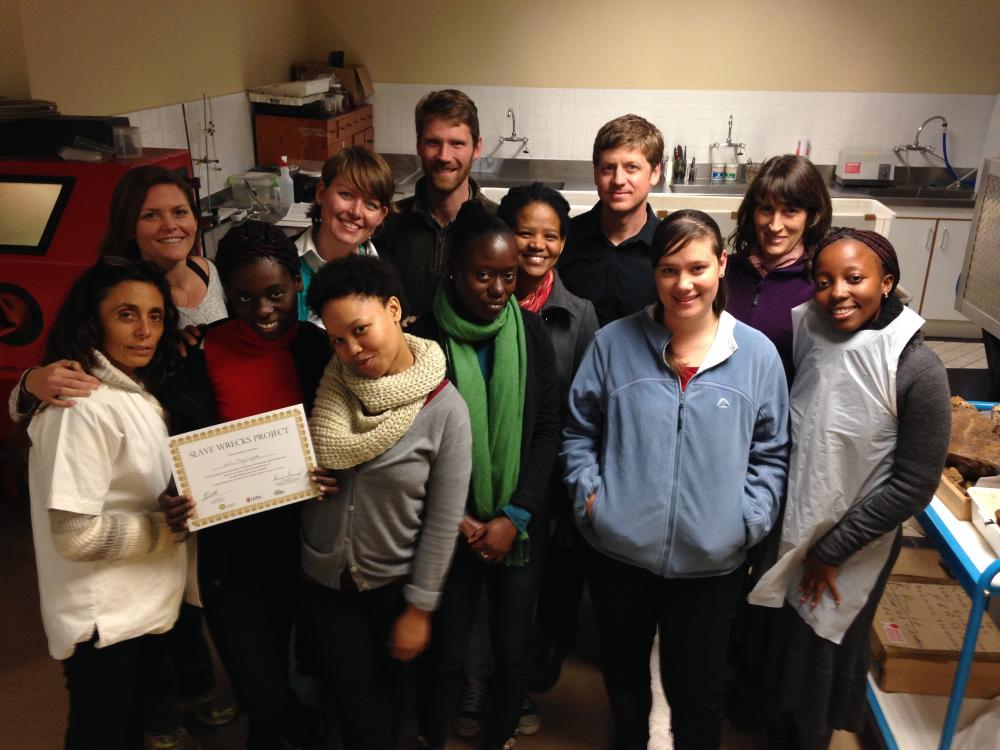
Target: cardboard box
column 918, row 565
column 354, row 78
column 917, row 636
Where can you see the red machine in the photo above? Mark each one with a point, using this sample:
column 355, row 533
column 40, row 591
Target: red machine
column 53, row 215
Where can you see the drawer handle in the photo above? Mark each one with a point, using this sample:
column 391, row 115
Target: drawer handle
column 927, row 241
column 944, row 238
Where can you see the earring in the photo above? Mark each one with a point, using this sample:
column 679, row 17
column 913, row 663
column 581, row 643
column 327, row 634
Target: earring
column 885, row 295
column 722, row 274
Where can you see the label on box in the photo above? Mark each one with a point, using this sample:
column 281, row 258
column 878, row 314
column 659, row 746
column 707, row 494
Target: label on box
column 852, row 167
column 893, row 633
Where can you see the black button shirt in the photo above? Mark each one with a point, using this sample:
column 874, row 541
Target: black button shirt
column 618, row 279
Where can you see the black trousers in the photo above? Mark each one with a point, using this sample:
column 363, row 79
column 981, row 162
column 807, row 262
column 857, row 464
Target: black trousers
column 350, row 630
column 694, row 616
column 511, row 593
column 249, row 614
column 110, row 689
column 192, row 664
column 561, row 586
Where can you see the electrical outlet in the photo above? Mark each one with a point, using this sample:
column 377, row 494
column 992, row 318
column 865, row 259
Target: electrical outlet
column 885, row 171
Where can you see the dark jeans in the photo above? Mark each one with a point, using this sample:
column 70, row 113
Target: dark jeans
column 110, row 689
column 350, row 630
column 561, row 587
column 694, row 616
column 511, row 593
column 192, row 664
column 249, row 614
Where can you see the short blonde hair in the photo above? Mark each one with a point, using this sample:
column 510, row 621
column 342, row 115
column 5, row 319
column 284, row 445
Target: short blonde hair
column 367, row 171
column 630, row 130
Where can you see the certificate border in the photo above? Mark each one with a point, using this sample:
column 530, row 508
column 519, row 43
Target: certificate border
column 176, row 443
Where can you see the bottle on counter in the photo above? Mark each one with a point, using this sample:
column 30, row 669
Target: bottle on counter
column 286, row 188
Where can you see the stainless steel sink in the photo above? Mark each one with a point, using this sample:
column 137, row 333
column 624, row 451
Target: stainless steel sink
column 922, row 191
column 711, row 188
column 494, row 181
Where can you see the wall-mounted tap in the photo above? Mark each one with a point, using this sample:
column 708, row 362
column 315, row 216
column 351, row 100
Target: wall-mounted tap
column 738, row 148
column 513, row 137
column 915, row 146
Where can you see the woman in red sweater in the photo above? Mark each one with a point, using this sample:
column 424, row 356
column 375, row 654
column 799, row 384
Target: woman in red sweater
column 262, row 358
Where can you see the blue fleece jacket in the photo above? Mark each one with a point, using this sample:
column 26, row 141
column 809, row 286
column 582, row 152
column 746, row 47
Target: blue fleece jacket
column 685, row 481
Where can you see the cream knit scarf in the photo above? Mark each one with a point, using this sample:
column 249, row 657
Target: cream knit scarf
column 356, row 418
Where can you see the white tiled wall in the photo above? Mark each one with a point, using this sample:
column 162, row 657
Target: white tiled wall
column 163, row 127
column 561, row 123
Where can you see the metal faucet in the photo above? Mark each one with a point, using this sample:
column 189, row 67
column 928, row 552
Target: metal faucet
column 513, row 137
column 915, row 146
column 738, row 148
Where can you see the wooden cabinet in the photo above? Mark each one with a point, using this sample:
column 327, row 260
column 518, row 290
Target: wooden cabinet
column 930, row 244
column 311, row 138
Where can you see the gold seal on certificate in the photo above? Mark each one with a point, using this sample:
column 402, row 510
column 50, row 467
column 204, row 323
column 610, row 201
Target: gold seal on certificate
column 245, row 466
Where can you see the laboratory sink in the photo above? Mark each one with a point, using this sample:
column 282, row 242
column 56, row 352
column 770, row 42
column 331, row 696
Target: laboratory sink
column 922, row 191
column 497, row 181
column 711, row 188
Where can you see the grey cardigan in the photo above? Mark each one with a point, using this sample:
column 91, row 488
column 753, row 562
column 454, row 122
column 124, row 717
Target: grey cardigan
column 397, row 516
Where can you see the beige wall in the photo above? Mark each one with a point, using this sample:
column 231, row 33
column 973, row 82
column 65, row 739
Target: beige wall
column 839, row 45
column 110, row 56
column 13, row 65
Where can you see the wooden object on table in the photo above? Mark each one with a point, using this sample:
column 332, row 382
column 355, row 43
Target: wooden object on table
column 974, row 448
column 316, row 139
column 954, row 496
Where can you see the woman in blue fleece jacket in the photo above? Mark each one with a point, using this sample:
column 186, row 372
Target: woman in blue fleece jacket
column 676, row 455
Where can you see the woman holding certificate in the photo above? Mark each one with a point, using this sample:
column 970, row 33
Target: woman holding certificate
column 110, row 573
column 375, row 559
column 502, row 362
column 259, row 360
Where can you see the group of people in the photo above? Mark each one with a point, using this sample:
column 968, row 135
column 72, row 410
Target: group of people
column 505, row 403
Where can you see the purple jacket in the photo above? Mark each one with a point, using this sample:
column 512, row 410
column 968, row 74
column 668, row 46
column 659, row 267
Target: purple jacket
column 766, row 303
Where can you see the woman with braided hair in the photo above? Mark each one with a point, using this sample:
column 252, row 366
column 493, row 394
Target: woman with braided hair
column 870, row 426
column 262, row 358
column 397, row 434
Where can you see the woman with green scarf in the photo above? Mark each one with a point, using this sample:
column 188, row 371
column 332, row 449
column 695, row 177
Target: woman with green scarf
column 501, row 360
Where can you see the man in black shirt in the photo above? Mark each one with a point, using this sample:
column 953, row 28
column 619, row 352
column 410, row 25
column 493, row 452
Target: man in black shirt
column 607, row 254
column 416, row 239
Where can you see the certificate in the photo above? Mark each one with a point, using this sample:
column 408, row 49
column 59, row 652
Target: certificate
column 245, row 466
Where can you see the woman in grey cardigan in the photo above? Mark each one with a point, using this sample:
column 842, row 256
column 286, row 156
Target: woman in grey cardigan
column 397, row 435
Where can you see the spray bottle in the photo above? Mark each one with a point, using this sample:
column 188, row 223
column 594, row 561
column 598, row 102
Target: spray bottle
column 286, row 188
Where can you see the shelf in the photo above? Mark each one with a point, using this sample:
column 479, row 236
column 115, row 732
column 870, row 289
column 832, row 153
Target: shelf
column 913, row 722
column 963, row 548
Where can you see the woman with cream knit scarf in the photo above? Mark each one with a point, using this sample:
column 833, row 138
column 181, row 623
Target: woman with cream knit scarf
column 397, row 434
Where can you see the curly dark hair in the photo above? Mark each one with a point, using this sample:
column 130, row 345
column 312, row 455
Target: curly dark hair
column 252, row 241
column 474, row 221
column 794, row 181
column 76, row 333
column 126, row 204
column 524, row 195
column 363, row 275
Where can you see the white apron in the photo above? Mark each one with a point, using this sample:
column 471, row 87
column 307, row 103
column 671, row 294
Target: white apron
column 843, row 407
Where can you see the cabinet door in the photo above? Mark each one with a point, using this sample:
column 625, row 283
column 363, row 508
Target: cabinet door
column 913, row 240
column 945, row 268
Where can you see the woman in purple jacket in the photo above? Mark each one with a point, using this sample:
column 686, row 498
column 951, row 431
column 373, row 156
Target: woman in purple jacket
column 784, row 214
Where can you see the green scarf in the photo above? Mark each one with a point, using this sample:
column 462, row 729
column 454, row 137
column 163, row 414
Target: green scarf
column 496, row 410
